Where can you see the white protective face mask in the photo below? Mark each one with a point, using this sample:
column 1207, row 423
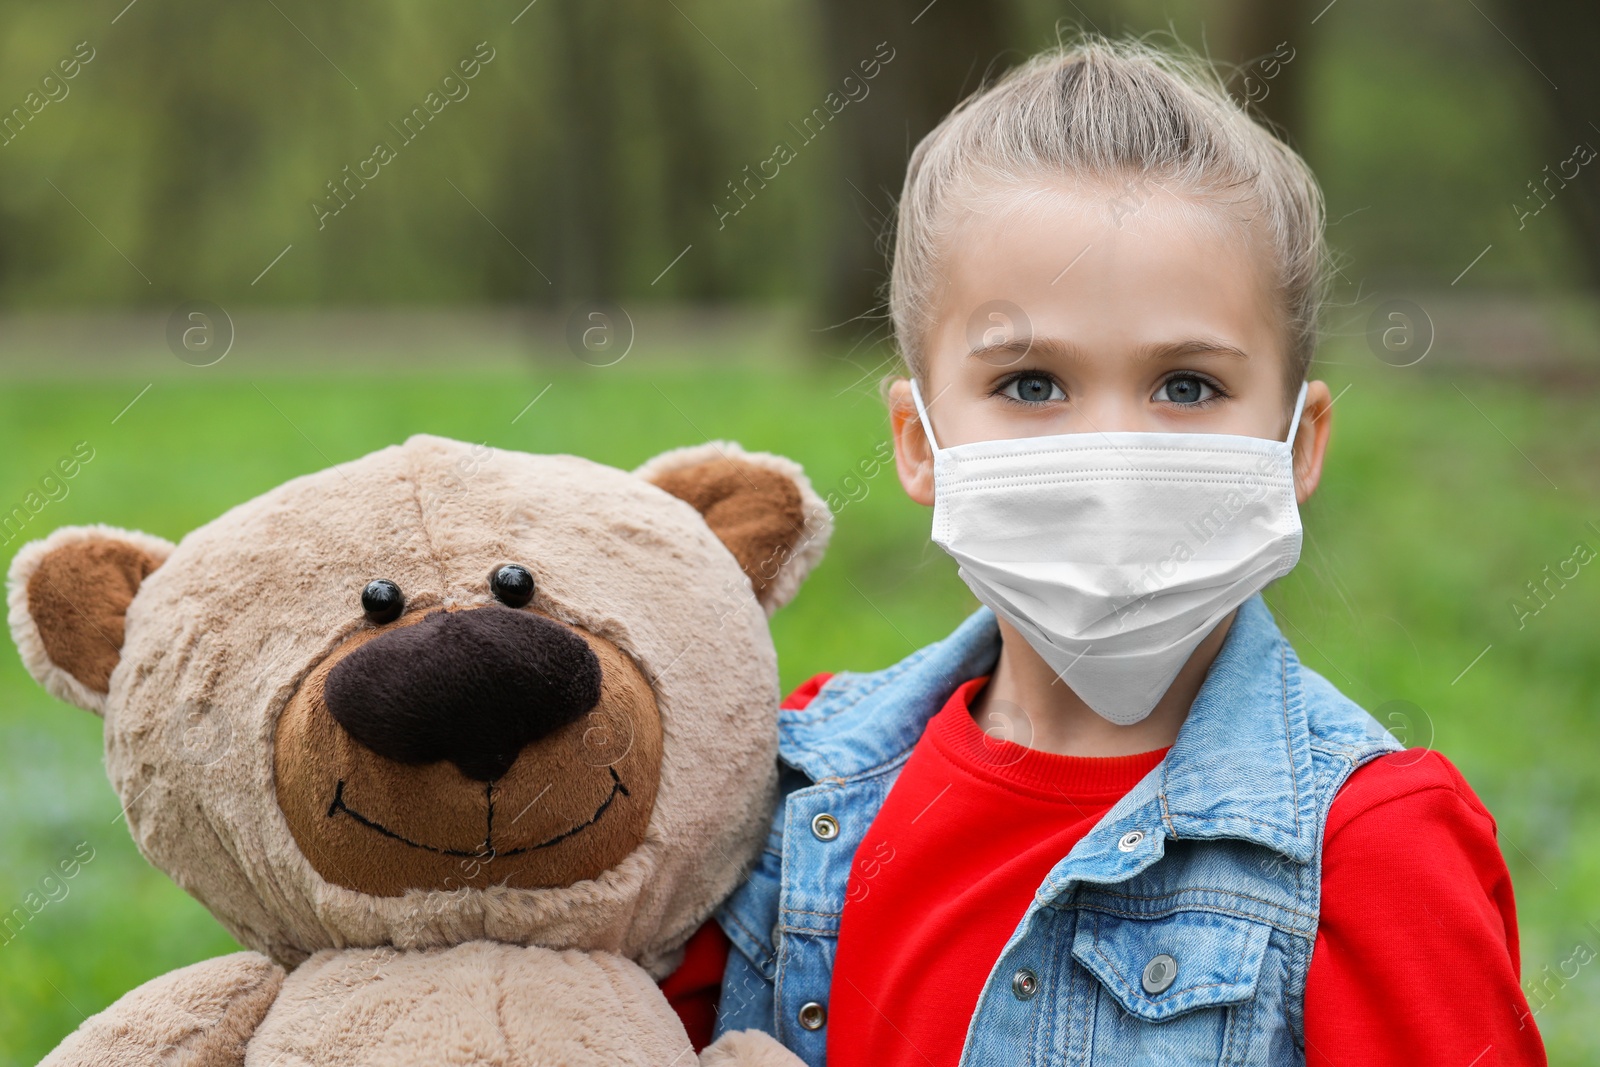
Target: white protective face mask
column 1115, row 554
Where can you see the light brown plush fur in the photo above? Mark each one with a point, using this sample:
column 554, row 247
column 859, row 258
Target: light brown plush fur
column 226, row 631
column 198, row 1016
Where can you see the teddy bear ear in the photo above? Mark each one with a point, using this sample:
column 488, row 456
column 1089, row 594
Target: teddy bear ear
column 761, row 506
column 68, row 596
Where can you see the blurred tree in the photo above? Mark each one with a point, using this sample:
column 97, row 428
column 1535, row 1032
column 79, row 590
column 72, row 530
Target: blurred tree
column 1558, row 37
column 589, row 203
column 1266, row 42
column 943, row 51
column 951, row 50
column 637, row 153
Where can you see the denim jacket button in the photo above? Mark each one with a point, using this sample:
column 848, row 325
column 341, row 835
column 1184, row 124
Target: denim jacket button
column 1024, row 984
column 1159, row 973
column 825, row 827
column 813, row 1015
column 1130, row 840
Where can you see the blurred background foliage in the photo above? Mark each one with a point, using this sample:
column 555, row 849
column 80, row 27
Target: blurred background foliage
column 603, row 135
column 590, row 159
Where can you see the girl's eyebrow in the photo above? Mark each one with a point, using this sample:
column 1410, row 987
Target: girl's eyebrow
column 1194, row 346
column 1054, row 347
column 1005, row 353
column 1016, row 347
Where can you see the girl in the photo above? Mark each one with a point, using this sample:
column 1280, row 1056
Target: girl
column 1112, row 819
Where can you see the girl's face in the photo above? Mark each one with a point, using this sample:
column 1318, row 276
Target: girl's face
column 1088, row 311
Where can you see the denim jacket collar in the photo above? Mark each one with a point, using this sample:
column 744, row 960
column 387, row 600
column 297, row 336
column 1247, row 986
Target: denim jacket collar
column 1240, row 767
column 859, row 723
column 1247, row 730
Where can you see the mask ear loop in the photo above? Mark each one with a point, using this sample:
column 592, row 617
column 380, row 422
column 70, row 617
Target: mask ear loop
column 927, row 427
column 1294, row 424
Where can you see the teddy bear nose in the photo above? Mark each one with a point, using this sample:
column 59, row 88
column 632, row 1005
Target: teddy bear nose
column 473, row 687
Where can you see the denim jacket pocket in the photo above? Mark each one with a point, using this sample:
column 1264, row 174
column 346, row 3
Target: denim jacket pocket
column 1158, row 968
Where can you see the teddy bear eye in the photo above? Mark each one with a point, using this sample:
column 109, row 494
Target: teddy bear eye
column 512, row 585
column 382, row 601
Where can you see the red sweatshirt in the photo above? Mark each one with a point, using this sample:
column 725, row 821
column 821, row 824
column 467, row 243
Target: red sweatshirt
column 967, row 833
column 1415, row 960
column 1411, row 877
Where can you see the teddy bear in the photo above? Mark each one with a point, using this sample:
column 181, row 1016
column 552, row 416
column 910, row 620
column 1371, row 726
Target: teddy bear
column 462, row 743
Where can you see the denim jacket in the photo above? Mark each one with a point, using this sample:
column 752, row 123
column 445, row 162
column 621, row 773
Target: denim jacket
column 1177, row 931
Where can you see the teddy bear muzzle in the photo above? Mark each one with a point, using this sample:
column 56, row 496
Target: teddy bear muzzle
column 466, row 748
column 471, row 687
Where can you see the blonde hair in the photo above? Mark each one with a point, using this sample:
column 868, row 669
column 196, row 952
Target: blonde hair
column 1100, row 111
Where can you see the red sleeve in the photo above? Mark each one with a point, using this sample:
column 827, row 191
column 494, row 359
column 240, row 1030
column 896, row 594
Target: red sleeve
column 808, row 689
column 1416, row 959
column 695, row 987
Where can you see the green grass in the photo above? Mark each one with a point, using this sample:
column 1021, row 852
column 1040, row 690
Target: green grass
column 1427, row 525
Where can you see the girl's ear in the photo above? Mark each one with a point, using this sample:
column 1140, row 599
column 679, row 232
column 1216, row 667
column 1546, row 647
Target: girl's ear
column 761, row 506
column 68, row 596
column 1311, row 440
column 913, row 453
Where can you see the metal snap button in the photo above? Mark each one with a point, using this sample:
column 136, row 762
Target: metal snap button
column 1159, row 973
column 1130, row 840
column 813, row 1015
column 1024, row 984
column 826, row 828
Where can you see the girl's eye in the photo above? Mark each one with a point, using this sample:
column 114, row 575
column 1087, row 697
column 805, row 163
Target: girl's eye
column 1033, row 389
column 1185, row 389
